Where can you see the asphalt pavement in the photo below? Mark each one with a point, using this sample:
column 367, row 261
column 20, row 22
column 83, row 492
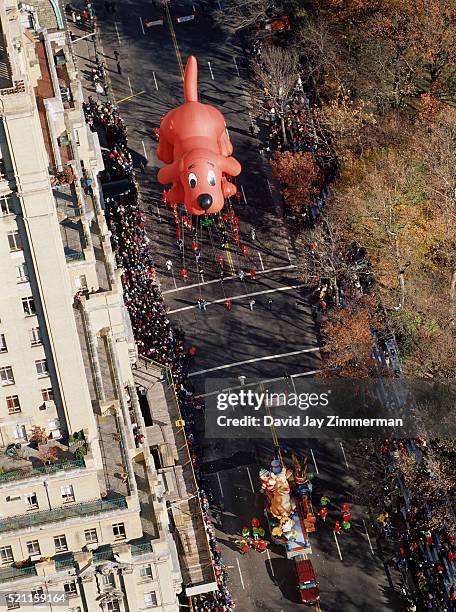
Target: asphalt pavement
column 272, row 340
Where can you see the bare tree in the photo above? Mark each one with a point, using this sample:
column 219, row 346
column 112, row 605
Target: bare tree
column 323, row 55
column 439, row 155
column 326, row 257
column 276, row 75
column 240, row 14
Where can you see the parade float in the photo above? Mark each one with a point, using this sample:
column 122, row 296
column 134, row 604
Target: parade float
column 194, row 145
column 287, row 510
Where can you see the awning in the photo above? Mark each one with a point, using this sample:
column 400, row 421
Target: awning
column 201, row 588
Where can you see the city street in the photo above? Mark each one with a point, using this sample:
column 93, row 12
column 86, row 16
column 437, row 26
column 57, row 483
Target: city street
column 262, row 341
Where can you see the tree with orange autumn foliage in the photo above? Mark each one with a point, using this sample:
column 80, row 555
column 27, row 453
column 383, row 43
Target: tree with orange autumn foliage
column 348, row 341
column 300, row 178
column 421, row 33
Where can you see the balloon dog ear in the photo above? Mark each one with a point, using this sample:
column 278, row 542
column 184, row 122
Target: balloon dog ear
column 169, row 173
column 229, row 165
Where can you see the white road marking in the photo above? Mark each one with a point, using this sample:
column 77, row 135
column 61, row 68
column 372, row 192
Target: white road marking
column 117, row 32
column 337, row 544
column 217, row 280
column 160, row 220
column 142, row 25
column 368, row 538
column 261, row 382
column 256, row 359
column 250, row 478
column 219, row 5
column 144, row 149
column 243, row 194
column 129, row 85
column 237, row 297
column 270, row 562
column 261, row 260
column 345, row 456
column 155, row 81
column 236, row 66
column 240, row 573
column 174, row 278
column 220, row 484
column 288, row 254
column 210, row 70
column 314, row 462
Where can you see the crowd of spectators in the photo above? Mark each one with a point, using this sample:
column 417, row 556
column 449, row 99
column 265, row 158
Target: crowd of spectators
column 155, row 337
column 424, row 551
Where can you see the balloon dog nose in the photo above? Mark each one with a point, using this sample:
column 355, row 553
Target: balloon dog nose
column 205, row 201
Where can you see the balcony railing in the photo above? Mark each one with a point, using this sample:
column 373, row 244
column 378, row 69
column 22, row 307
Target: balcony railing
column 141, row 549
column 64, row 562
column 74, row 255
column 45, row 469
column 12, row 523
column 103, row 554
column 15, row 573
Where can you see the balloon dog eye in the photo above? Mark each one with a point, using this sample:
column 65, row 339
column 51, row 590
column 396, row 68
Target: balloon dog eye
column 211, row 178
column 192, row 180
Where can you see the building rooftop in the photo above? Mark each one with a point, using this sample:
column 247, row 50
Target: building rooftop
column 189, row 529
column 29, row 461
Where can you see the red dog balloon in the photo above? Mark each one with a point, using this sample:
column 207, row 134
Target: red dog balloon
column 195, row 145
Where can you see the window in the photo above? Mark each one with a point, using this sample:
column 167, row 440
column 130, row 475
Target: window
column 20, row 433
column 35, row 336
column 67, row 493
column 145, row 571
column 108, row 582
column 60, row 543
column 14, row 241
column 47, row 394
column 118, row 529
column 12, row 604
column 3, row 347
column 150, row 599
column 12, row 403
column 111, row 606
column 28, row 305
column 81, row 282
column 22, row 275
column 70, row 589
column 6, row 375
column 31, row 501
column 41, row 368
column 6, row 204
column 33, row 547
column 6, row 555
column 38, row 597
column 91, row 536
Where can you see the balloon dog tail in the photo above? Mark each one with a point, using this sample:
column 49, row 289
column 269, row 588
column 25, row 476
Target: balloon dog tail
column 191, row 80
